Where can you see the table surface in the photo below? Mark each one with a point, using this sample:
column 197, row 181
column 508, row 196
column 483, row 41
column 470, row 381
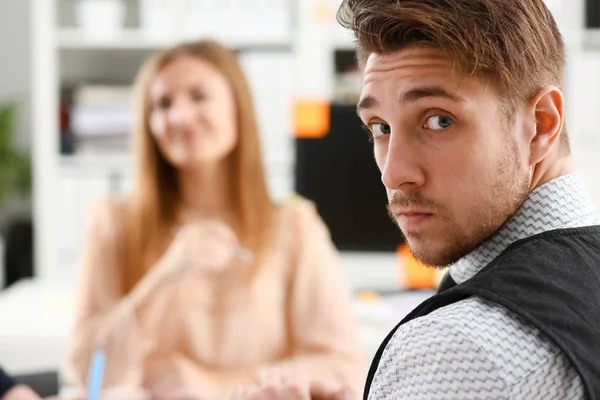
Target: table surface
column 37, row 317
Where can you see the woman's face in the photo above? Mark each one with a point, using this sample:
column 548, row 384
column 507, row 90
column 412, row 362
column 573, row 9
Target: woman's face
column 192, row 115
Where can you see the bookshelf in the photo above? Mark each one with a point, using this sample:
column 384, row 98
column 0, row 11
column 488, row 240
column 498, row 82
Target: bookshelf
column 84, row 162
column 65, row 54
column 295, row 63
column 135, row 39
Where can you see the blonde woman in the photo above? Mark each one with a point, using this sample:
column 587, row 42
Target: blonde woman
column 196, row 282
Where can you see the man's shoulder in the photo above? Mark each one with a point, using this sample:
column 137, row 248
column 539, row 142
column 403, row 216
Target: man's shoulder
column 476, row 332
column 472, row 349
column 435, row 356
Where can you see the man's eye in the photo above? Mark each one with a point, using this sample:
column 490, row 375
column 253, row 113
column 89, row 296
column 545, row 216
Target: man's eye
column 438, row 122
column 380, row 129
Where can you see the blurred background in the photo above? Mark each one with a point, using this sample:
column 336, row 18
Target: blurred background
column 65, row 115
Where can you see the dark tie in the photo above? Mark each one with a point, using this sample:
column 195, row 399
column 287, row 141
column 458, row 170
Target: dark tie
column 447, row 283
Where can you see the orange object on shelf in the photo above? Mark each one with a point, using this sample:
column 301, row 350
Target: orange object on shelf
column 416, row 274
column 312, row 119
column 323, row 11
column 368, row 297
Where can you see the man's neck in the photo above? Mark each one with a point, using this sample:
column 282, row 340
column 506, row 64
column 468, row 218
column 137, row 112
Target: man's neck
column 550, row 168
column 560, row 203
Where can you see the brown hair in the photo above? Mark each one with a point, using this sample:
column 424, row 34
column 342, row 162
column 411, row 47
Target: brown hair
column 156, row 197
column 515, row 44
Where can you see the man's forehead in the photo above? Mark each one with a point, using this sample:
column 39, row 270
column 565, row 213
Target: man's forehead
column 407, row 69
column 414, row 68
column 406, row 57
column 413, row 84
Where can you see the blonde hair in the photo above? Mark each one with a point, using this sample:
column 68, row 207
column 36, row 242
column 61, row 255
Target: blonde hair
column 156, row 196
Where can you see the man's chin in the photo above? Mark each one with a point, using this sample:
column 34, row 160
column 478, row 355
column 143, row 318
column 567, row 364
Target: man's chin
column 429, row 261
column 437, row 258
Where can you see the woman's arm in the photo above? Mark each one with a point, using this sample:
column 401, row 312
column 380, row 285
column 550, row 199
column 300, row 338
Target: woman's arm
column 323, row 329
column 323, row 326
column 105, row 319
column 108, row 320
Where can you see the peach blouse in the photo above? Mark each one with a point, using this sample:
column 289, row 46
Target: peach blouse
column 210, row 332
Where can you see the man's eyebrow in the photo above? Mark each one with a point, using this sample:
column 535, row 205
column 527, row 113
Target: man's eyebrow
column 366, row 103
column 433, row 91
column 412, row 96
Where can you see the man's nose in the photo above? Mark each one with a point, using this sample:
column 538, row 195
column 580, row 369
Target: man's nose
column 403, row 163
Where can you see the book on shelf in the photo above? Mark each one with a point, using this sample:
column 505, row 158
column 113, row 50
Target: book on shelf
column 103, row 145
column 96, row 118
column 99, row 110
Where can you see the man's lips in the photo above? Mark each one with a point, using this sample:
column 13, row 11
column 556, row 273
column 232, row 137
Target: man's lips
column 411, row 218
column 409, row 212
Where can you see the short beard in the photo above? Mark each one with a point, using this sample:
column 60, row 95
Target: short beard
column 511, row 185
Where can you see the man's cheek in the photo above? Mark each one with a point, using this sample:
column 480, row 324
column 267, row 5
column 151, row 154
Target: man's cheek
column 380, row 153
column 390, row 195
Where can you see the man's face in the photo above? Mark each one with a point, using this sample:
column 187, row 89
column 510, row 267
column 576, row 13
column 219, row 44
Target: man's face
column 453, row 168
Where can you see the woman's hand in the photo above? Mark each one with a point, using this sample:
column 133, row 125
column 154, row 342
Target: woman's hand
column 276, row 386
column 207, row 246
column 293, row 391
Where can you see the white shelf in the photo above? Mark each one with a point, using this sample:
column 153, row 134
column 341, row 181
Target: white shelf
column 342, row 39
column 86, row 162
column 591, row 39
column 131, row 39
column 95, row 162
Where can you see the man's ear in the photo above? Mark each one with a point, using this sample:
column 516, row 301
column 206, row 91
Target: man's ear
column 548, row 108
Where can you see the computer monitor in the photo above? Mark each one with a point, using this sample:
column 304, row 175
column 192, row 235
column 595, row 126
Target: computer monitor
column 339, row 174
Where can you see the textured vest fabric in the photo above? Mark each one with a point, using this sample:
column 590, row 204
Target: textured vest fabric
column 551, row 280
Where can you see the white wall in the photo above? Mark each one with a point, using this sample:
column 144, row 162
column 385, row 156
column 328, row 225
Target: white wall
column 582, row 91
column 15, row 57
column 15, row 60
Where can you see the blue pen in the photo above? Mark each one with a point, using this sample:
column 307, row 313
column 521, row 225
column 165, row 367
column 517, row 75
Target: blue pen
column 96, row 375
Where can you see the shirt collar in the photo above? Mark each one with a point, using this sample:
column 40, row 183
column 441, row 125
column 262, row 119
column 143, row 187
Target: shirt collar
column 562, row 203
